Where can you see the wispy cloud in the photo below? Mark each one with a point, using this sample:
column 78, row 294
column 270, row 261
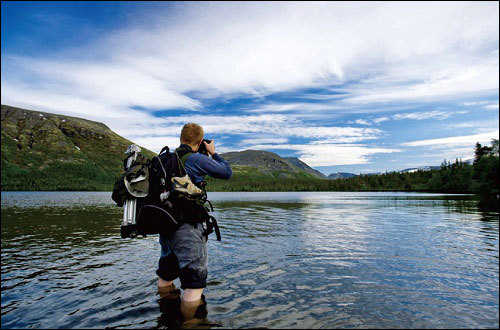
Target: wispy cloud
column 162, row 69
column 438, row 115
column 473, row 79
column 247, row 142
column 296, row 107
column 275, row 128
column 380, row 119
column 361, row 122
column 269, row 48
column 329, row 154
column 491, row 106
column 485, row 104
column 455, row 140
column 479, row 126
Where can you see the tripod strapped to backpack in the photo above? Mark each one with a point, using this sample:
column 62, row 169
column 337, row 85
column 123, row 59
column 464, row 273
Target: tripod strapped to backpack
column 157, row 198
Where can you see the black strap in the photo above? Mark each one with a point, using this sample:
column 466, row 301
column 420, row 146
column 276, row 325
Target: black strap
column 159, row 209
column 163, row 168
column 165, row 148
column 212, row 226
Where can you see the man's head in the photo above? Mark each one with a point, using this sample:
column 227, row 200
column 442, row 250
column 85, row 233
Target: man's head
column 192, row 135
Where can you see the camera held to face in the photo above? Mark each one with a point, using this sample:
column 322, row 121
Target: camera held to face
column 203, row 149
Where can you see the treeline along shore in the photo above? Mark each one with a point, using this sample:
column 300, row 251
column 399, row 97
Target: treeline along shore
column 48, row 152
column 481, row 177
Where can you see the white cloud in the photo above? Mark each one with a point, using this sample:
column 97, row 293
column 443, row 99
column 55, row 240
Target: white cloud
column 468, row 104
column 59, row 102
column 269, row 47
column 479, row 126
column 447, row 48
column 361, row 122
column 371, row 52
column 247, row 142
column 380, row 119
column 155, row 144
column 110, row 84
column 267, row 129
column 299, row 106
column 467, row 79
column 491, row 106
column 436, row 155
column 329, row 154
column 278, row 125
column 455, row 140
column 440, row 115
column 345, row 139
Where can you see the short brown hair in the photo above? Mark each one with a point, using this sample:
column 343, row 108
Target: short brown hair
column 191, row 133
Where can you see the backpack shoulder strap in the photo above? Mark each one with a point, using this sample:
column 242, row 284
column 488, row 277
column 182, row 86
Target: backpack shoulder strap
column 161, row 165
column 165, row 148
column 185, row 157
column 182, row 160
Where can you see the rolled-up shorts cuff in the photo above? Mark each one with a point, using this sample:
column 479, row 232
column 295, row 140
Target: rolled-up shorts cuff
column 193, row 279
column 168, row 268
column 188, row 245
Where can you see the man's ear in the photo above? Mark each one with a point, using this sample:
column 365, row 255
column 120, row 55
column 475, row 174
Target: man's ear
column 199, row 144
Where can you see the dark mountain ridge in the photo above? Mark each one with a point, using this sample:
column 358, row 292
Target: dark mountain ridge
column 303, row 166
column 45, row 151
column 340, row 175
column 269, row 162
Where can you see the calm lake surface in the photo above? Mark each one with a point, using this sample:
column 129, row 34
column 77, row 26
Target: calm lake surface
column 286, row 260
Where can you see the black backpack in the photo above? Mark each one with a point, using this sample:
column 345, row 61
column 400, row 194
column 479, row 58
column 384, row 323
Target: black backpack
column 155, row 207
column 139, row 190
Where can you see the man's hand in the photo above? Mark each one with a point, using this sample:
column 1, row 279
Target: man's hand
column 210, row 147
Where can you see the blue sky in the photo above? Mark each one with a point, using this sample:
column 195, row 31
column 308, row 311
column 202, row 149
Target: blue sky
column 346, row 87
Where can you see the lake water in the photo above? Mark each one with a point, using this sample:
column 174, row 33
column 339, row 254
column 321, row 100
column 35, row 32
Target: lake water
column 286, row 260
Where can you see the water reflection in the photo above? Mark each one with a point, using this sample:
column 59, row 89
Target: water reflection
column 170, row 308
column 303, row 260
column 173, row 313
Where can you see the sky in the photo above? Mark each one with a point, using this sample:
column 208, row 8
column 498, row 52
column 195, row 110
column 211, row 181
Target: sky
column 359, row 87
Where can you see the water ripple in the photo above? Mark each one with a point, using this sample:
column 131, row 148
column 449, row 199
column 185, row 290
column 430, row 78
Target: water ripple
column 287, row 260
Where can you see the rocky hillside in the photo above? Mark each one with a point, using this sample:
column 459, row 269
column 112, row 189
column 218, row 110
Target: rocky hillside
column 303, row 166
column 45, row 151
column 269, row 163
column 340, row 175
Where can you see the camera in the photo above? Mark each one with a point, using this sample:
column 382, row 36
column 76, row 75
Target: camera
column 202, row 149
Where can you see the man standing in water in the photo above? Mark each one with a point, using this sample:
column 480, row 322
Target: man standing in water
column 184, row 252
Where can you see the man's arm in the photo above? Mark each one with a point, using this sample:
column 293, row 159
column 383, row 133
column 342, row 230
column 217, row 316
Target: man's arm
column 199, row 165
column 217, row 167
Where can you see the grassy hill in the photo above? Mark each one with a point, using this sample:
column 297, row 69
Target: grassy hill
column 258, row 170
column 303, row 166
column 44, row 151
column 269, row 164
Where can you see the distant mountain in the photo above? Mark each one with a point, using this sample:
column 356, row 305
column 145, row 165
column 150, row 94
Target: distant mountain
column 340, row 175
column 267, row 163
column 421, row 168
column 300, row 164
column 264, row 160
column 45, row 151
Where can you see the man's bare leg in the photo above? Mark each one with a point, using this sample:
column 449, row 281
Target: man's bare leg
column 164, row 284
column 191, row 300
column 192, row 295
